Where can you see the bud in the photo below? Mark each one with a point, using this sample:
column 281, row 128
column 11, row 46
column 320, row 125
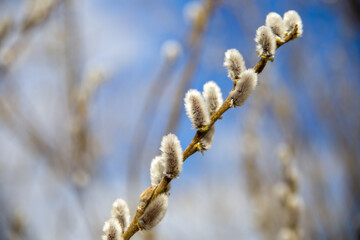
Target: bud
column 112, row 230
column 234, row 63
column 120, row 211
column 287, row 234
column 145, row 196
column 213, row 96
column 196, row 109
column 172, row 155
column 171, row 50
column 295, row 204
column 244, row 87
column 275, row 22
column 193, row 11
column 156, row 170
column 266, row 42
column 292, row 18
column 154, row 213
column 282, row 192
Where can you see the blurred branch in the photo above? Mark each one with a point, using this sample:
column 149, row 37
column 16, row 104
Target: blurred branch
column 257, row 186
column 37, row 13
column 5, row 27
column 29, row 134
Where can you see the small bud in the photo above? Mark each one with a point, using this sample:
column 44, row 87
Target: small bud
column 295, row 204
column 266, row 42
column 171, row 50
column 112, row 230
column 157, row 170
column 172, row 155
column 213, row 96
column 120, row 211
column 282, row 192
column 287, row 234
column 207, row 140
column 196, row 109
column 154, row 213
column 234, row 62
column 275, row 22
column 244, row 87
column 193, row 11
column 145, row 197
column 292, row 18
column 284, row 153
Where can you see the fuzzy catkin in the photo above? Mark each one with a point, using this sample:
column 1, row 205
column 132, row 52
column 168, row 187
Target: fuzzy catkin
column 154, row 213
column 244, row 87
column 157, row 170
column 276, row 23
column 292, row 18
column 207, row 140
column 172, row 155
column 112, row 230
column 234, row 63
column 120, row 211
column 213, row 96
column 171, row 50
column 266, row 42
column 196, row 109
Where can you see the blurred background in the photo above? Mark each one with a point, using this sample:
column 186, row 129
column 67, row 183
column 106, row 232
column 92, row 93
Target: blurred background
column 88, row 89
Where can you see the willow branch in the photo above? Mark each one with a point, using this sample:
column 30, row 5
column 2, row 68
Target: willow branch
column 153, row 192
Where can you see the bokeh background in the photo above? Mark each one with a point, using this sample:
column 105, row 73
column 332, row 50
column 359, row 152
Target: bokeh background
column 88, row 89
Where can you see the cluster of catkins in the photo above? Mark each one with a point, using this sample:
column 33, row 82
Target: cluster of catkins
column 288, row 195
column 276, row 28
column 199, row 108
column 168, row 164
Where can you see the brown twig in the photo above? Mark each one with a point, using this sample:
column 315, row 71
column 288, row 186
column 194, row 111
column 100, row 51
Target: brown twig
column 191, row 148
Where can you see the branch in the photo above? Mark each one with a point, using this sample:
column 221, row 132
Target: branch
column 152, row 192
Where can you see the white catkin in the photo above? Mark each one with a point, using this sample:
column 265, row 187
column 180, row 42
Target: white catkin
column 244, row 87
column 112, row 230
column 154, row 213
column 291, row 18
column 276, row 23
column 120, row 211
column 171, row 50
column 207, row 140
column 157, row 169
column 196, row 109
column 172, row 155
column 234, row 63
column 266, row 42
column 213, row 96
